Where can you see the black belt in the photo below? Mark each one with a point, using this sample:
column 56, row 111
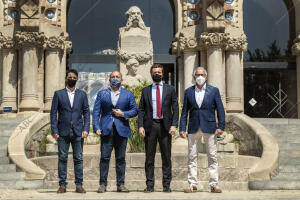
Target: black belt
column 158, row 120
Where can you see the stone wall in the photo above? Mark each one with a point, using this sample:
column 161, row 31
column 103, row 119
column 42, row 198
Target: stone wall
column 233, row 171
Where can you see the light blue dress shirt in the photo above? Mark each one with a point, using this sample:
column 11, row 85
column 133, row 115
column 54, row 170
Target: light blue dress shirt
column 114, row 96
column 154, row 99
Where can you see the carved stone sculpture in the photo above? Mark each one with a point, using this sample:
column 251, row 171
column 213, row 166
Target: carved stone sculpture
column 135, row 49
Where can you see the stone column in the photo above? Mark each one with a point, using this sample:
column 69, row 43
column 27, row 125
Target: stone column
column 191, row 61
column 29, row 91
column 215, row 70
column 28, row 42
column 234, row 76
column 52, row 76
column 9, row 78
column 215, row 43
column 203, row 58
column 56, row 48
column 234, row 83
column 296, row 52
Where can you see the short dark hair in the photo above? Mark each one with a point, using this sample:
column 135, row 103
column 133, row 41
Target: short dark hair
column 156, row 66
column 74, row 71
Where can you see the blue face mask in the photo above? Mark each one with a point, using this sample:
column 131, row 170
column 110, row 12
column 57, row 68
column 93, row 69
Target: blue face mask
column 115, row 83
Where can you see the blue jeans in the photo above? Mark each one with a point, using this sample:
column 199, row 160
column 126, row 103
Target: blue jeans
column 108, row 142
column 63, row 150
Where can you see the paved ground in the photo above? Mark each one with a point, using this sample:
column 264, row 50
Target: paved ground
column 227, row 195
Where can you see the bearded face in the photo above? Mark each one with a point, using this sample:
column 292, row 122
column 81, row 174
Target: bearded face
column 135, row 20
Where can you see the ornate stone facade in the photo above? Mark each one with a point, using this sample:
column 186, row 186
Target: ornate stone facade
column 296, row 46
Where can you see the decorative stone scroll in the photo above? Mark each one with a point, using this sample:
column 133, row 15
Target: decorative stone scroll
column 296, row 46
column 237, row 44
column 29, row 38
column 214, row 39
column 6, row 42
column 58, row 42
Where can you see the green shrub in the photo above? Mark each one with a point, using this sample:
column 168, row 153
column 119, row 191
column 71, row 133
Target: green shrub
column 136, row 142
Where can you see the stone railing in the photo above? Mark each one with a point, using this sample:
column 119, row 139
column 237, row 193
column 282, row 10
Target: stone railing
column 21, row 136
column 265, row 144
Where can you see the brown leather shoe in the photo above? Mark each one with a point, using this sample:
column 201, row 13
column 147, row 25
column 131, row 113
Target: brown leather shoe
column 188, row 190
column 62, row 189
column 80, row 189
column 215, row 189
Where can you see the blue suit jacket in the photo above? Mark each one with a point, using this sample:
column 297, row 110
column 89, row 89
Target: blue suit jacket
column 204, row 116
column 78, row 115
column 103, row 108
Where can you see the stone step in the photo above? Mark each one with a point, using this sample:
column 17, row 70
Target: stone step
column 140, row 185
column 178, row 174
column 289, row 168
column 4, row 160
column 274, row 185
column 6, row 132
column 292, row 153
column 3, row 150
column 287, row 176
column 12, row 176
column 7, row 168
column 288, row 161
column 22, row 184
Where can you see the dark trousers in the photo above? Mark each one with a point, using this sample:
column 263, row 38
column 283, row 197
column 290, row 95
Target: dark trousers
column 63, row 150
column 108, row 142
column 158, row 133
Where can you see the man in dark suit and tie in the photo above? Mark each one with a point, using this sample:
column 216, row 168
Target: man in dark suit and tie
column 157, row 121
column 200, row 103
column 70, row 123
column 114, row 106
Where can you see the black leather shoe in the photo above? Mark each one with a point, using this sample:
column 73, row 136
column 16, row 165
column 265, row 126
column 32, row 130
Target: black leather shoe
column 148, row 189
column 167, row 189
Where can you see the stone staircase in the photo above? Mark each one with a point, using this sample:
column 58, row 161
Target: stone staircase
column 287, row 176
column 233, row 170
column 10, row 176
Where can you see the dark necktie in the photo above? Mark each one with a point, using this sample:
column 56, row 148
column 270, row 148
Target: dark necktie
column 158, row 104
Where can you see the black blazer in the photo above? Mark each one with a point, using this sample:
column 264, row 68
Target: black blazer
column 169, row 108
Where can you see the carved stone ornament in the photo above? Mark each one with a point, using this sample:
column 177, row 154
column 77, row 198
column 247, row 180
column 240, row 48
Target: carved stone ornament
column 141, row 57
column 29, row 38
column 238, row 44
column 6, row 42
column 214, row 39
column 135, row 20
column 182, row 42
column 296, row 46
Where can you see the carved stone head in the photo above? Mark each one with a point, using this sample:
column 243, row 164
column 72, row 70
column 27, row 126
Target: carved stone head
column 134, row 16
column 132, row 65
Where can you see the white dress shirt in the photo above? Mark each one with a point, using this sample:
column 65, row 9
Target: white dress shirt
column 154, row 105
column 199, row 95
column 71, row 95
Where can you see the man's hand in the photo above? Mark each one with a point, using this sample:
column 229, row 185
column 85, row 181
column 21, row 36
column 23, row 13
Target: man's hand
column 84, row 134
column 142, row 132
column 172, row 130
column 55, row 136
column 218, row 132
column 118, row 113
column 98, row 132
column 182, row 134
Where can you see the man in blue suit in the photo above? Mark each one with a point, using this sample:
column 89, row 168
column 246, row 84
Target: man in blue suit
column 71, row 125
column 200, row 103
column 114, row 106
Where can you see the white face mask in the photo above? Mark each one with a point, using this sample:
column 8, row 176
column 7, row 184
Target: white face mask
column 200, row 80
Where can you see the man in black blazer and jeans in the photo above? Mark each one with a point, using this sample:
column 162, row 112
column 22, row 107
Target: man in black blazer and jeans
column 157, row 119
